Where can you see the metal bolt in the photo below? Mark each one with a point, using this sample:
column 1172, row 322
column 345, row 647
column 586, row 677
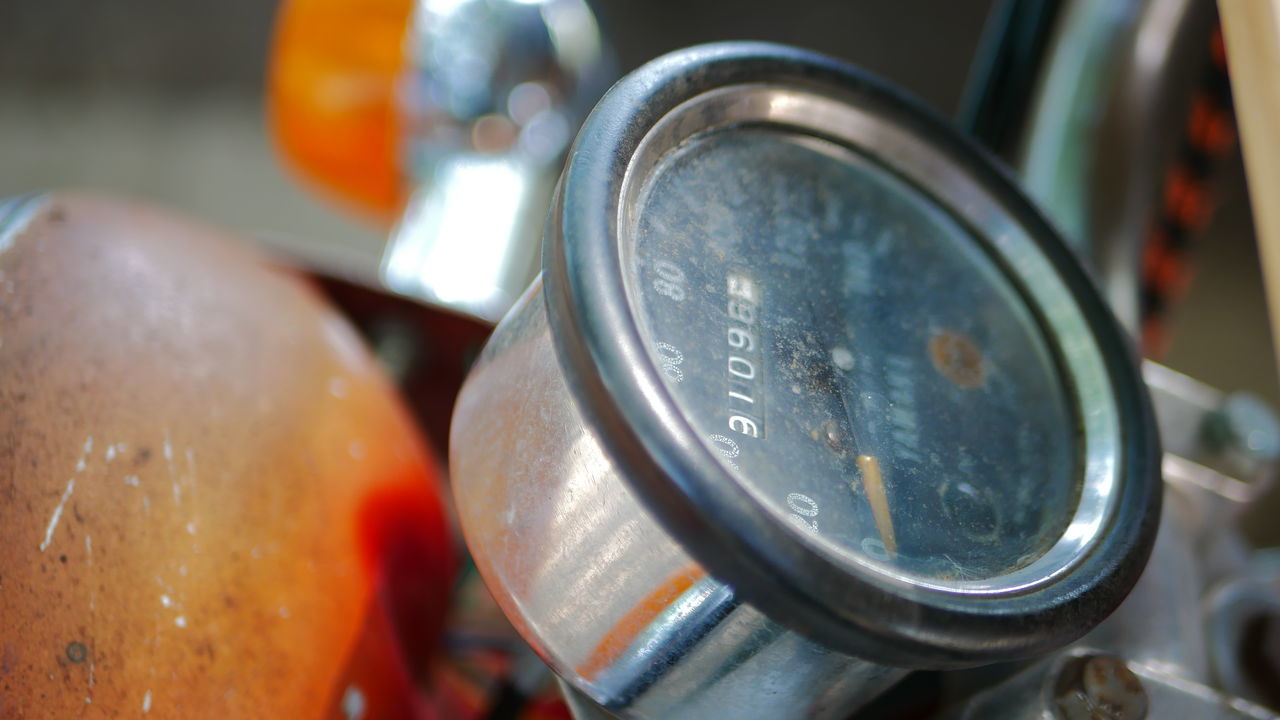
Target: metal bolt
column 1099, row 687
column 1244, row 432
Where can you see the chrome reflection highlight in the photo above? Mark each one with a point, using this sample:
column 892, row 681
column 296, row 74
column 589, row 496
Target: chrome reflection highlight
column 458, row 243
column 15, row 213
column 494, row 94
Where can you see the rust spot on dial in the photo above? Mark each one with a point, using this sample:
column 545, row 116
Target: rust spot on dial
column 958, row 358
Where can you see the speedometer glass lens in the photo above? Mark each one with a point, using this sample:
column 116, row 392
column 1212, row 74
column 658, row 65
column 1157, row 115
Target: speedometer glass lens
column 853, row 355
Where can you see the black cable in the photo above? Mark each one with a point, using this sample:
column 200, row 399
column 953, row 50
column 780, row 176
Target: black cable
column 998, row 92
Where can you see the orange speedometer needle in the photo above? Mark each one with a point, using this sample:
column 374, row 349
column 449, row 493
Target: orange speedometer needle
column 873, row 483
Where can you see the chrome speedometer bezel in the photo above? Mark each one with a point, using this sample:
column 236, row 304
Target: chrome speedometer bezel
column 870, row 612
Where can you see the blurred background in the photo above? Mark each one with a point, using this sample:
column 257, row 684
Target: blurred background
column 164, row 100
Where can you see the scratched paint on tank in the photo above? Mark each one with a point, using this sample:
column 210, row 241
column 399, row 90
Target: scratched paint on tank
column 180, row 524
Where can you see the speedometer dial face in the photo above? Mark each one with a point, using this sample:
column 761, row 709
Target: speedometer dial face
column 853, row 355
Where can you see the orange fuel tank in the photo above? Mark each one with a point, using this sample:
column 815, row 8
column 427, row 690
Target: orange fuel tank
column 212, row 504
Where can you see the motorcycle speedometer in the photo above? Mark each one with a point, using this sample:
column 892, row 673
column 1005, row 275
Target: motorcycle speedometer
column 843, row 364
column 860, row 365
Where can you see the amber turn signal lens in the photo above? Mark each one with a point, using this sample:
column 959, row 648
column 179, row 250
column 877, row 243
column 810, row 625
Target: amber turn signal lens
column 331, row 96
